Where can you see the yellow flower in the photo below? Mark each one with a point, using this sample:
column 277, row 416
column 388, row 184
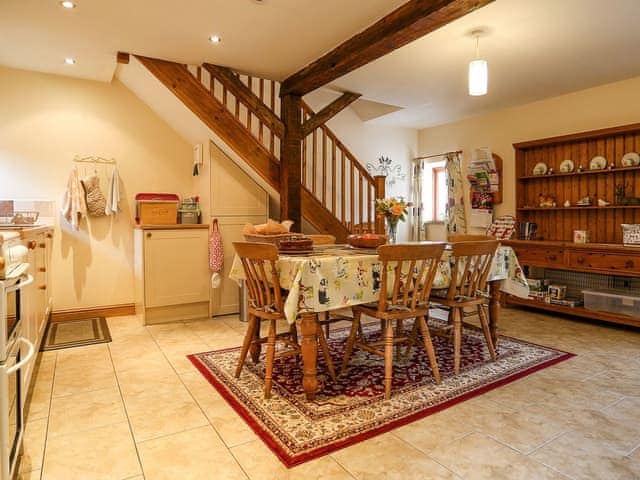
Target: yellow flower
column 397, row 209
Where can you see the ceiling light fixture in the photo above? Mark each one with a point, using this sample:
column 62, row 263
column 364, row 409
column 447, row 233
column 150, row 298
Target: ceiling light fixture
column 69, row 61
column 68, row 4
column 215, row 39
column 478, row 70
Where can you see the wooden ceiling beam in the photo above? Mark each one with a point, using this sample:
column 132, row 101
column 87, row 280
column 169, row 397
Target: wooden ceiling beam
column 328, row 112
column 242, row 92
column 407, row 23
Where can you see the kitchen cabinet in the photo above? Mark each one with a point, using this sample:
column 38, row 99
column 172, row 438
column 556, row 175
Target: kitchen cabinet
column 172, row 272
column 36, row 298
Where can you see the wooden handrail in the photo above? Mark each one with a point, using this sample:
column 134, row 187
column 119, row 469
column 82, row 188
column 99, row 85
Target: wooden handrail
column 347, row 190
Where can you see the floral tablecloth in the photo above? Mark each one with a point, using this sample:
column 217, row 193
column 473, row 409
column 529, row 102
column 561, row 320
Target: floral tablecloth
column 339, row 278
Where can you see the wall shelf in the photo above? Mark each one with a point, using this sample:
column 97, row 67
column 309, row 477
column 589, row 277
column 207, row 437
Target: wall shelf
column 556, row 209
column 579, row 174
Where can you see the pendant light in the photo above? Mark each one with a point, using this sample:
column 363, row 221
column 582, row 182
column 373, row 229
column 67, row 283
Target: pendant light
column 478, row 70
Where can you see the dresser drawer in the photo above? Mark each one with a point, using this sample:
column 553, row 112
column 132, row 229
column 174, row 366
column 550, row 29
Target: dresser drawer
column 612, row 263
column 540, row 256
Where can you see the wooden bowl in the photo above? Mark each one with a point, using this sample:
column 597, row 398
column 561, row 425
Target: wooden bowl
column 366, row 240
column 295, row 244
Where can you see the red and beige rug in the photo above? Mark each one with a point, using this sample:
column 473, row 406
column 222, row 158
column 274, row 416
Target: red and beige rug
column 354, row 408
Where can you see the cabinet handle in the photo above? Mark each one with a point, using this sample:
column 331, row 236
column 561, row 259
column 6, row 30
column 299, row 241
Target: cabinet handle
column 31, row 245
column 42, row 269
column 42, row 245
column 553, row 257
column 629, row 264
column 48, row 235
column 580, row 259
column 42, row 287
column 148, row 234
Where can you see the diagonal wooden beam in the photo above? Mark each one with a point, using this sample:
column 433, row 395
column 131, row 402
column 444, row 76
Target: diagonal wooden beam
column 407, row 23
column 242, row 92
column 328, row 112
column 215, row 115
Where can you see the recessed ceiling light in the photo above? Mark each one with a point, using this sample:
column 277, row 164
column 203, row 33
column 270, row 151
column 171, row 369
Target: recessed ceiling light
column 68, row 4
column 215, row 39
column 69, row 61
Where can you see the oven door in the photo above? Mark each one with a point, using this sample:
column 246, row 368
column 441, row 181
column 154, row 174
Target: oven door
column 11, row 311
column 12, row 404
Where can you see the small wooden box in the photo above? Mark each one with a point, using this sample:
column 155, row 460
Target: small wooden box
column 157, row 212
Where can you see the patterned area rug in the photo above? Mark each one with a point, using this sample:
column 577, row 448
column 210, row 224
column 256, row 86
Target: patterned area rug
column 76, row 333
column 354, row 408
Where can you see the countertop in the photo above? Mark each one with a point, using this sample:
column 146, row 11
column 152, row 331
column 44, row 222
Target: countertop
column 26, row 230
column 179, row 226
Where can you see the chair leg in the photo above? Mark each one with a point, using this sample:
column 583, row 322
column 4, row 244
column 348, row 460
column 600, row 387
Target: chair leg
column 388, row 358
column 327, row 356
column 457, row 339
column 271, row 353
column 428, row 345
column 413, row 337
column 293, row 331
column 355, row 327
column 399, row 333
column 487, row 333
column 256, row 345
column 246, row 343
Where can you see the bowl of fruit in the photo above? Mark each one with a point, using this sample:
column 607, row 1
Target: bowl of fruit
column 366, row 240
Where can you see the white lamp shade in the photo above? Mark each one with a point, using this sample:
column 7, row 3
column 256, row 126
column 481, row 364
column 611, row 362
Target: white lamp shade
column 478, row 77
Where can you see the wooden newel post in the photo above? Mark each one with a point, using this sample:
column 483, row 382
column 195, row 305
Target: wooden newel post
column 291, row 162
column 380, row 181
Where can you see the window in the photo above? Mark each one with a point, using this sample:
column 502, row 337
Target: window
column 439, row 194
column 434, row 192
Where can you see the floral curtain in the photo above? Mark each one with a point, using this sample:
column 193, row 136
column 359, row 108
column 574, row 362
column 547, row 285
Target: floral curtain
column 456, row 221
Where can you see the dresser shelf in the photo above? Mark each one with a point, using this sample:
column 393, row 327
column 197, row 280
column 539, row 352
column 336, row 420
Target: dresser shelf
column 604, row 171
column 590, row 207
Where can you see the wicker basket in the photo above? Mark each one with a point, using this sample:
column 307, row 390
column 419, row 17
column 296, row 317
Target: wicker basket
column 272, row 239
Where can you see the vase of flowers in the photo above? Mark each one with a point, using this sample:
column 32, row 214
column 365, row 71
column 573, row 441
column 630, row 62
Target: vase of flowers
column 393, row 210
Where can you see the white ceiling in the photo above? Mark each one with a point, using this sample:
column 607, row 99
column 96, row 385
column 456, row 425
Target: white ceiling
column 536, row 49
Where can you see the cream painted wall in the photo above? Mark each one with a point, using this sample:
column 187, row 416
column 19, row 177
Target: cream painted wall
column 44, row 121
column 368, row 142
column 600, row 107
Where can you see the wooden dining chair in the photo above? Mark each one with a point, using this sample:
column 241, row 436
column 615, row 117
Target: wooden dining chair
column 404, row 295
column 266, row 303
column 468, row 289
column 467, row 237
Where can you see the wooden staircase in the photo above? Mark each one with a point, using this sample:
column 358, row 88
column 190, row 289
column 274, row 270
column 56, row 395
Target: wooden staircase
column 337, row 193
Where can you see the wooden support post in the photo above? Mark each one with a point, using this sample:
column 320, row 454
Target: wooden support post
column 291, row 162
column 379, row 193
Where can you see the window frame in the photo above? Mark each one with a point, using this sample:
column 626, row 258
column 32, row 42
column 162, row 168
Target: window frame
column 436, row 171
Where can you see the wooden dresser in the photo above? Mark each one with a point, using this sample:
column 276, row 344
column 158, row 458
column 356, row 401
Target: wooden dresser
column 553, row 247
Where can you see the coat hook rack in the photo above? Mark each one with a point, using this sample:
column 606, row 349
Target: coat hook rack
column 93, row 159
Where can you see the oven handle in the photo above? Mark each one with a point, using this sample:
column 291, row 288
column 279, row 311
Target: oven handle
column 28, row 280
column 27, row 357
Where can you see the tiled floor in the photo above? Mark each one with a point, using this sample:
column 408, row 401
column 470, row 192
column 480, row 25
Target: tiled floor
column 136, row 408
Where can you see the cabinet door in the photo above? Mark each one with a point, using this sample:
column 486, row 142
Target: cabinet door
column 176, row 267
column 40, row 284
column 224, row 300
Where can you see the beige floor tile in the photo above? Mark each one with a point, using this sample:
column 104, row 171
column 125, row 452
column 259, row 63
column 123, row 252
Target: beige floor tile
column 101, row 453
column 38, row 401
column 194, row 454
column 82, row 380
column 435, row 430
column 609, row 428
column 129, row 355
column 84, row 411
column 157, row 413
column 261, row 464
column 477, row 456
column 95, row 357
column 589, row 459
column 177, row 353
column 388, row 457
column 35, row 435
column 231, row 428
column 136, row 381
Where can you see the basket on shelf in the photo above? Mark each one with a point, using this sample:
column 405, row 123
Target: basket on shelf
column 25, row 217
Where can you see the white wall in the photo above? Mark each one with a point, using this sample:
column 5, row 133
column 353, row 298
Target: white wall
column 46, row 120
column 368, row 142
column 600, row 107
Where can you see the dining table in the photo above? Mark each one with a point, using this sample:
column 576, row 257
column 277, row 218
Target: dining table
column 335, row 277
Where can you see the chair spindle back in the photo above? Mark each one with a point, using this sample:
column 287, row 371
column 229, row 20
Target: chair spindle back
column 472, row 266
column 261, row 275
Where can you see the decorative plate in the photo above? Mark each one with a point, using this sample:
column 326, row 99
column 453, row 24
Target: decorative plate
column 566, row 166
column 540, row 168
column 631, row 159
column 598, row 163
